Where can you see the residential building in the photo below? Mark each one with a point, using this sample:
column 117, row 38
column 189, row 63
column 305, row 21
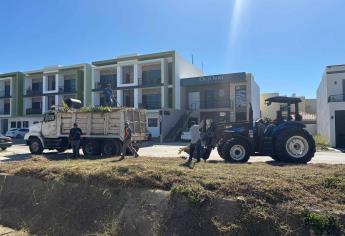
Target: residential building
column 150, row 81
column 307, row 108
column 331, row 105
column 10, row 98
column 46, row 88
column 221, row 97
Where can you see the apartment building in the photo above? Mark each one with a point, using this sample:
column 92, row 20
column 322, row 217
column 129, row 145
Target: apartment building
column 150, row 81
column 331, row 105
column 10, row 98
column 46, row 88
column 221, row 97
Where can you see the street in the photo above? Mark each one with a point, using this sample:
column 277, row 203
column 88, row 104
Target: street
column 21, row 152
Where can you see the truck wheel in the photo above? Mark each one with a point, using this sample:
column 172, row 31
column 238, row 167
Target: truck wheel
column 295, row 146
column 110, row 148
column 91, row 148
column 220, row 149
column 236, row 150
column 36, row 146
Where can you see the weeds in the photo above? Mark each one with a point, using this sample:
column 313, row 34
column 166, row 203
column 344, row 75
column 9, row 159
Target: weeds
column 321, row 142
column 320, row 223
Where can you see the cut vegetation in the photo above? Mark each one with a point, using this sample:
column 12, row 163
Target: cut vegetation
column 271, row 194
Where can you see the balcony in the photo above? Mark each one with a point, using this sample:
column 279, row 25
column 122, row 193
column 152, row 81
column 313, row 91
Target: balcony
column 33, row 111
column 35, row 92
column 67, row 90
column 211, row 104
column 103, row 85
column 5, row 112
column 5, row 94
column 151, row 78
column 337, row 98
column 151, row 105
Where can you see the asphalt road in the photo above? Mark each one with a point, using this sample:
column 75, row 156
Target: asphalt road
column 21, row 152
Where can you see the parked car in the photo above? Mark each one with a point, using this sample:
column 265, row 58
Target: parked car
column 5, row 142
column 185, row 136
column 17, row 133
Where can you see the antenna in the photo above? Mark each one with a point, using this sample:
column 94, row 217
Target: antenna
column 202, row 67
column 192, row 59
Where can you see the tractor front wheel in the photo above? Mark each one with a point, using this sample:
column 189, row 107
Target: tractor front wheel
column 236, row 150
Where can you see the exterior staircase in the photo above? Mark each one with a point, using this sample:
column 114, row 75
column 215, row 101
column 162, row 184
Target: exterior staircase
column 181, row 125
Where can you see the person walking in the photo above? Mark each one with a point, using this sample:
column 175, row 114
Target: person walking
column 127, row 143
column 194, row 144
column 74, row 138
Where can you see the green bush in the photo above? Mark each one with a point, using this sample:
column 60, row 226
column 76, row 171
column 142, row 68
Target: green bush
column 320, row 223
column 321, row 142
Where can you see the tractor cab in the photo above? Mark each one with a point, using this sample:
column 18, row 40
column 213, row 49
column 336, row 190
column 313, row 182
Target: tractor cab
column 286, row 103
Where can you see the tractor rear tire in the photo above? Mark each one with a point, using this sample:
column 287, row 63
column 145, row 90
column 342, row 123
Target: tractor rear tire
column 295, row 146
column 236, row 151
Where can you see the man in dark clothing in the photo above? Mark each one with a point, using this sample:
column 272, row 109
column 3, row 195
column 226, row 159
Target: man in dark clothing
column 127, row 143
column 74, row 138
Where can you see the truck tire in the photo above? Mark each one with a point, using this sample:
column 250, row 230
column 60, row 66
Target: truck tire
column 295, row 146
column 236, row 151
column 36, row 146
column 91, row 148
column 110, row 148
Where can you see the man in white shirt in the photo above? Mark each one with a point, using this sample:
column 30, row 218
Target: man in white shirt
column 194, row 144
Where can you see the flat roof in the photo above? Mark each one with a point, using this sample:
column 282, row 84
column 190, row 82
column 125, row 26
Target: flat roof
column 55, row 68
column 214, row 79
column 10, row 74
column 134, row 57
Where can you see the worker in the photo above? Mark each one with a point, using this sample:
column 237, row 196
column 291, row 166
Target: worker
column 127, row 142
column 194, row 144
column 74, row 138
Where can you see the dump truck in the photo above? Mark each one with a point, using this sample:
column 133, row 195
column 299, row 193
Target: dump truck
column 103, row 130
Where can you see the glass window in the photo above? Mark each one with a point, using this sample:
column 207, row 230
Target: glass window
column 25, row 124
column 152, row 122
column 127, row 74
column 13, row 124
column 151, row 75
column 51, row 102
column 152, row 101
column 128, row 98
column 170, row 73
column 69, row 85
column 170, row 98
column 51, row 82
column 19, row 124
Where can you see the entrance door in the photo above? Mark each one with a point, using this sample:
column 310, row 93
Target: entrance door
column 194, row 101
column 340, row 128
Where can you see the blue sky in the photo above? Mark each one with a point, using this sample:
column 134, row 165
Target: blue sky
column 285, row 43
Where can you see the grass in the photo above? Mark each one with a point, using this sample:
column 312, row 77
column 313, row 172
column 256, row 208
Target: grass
column 262, row 187
column 321, row 142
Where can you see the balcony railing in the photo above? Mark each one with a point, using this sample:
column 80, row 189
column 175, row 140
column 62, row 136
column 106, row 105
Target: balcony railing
column 5, row 112
column 35, row 92
column 151, row 105
column 67, row 90
column 100, row 86
column 337, row 98
column 5, row 94
column 33, row 111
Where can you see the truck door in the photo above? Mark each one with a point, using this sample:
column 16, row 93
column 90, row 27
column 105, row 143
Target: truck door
column 49, row 125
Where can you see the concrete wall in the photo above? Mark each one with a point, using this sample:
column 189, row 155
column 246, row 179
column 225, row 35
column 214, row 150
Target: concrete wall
column 322, row 110
column 255, row 98
column 268, row 111
column 183, row 69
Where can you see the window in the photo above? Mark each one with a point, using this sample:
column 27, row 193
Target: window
column 128, row 74
column 69, row 85
column 106, row 79
column 36, row 122
column 51, row 102
column 170, row 73
column 128, row 98
column 13, row 124
column 151, row 75
column 36, row 86
column 152, row 122
column 170, row 98
column 25, row 124
column 51, row 82
column 152, row 101
column 7, row 90
column 19, row 124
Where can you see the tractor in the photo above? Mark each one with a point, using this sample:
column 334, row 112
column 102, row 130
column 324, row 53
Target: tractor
column 283, row 139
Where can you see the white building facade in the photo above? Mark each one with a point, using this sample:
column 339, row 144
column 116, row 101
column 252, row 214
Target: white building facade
column 150, row 81
column 331, row 106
